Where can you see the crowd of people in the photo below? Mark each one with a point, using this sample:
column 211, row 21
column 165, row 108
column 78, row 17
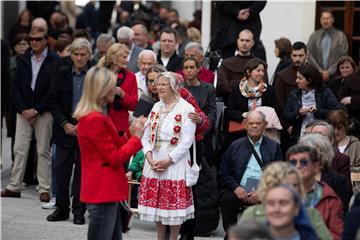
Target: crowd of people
column 91, row 109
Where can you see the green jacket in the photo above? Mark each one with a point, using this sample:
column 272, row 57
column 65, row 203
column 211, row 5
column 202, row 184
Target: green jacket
column 137, row 164
column 257, row 212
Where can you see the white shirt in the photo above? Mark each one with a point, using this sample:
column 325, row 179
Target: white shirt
column 165, row 60
column 141, row 83
column 36, row 65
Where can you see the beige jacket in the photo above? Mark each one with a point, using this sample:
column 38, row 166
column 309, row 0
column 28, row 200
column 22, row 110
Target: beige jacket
column 353, row 151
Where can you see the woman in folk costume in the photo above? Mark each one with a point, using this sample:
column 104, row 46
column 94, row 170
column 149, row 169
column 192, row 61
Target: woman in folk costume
column 164, row 197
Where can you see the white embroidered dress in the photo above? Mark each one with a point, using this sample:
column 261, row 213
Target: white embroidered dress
column 163, row 195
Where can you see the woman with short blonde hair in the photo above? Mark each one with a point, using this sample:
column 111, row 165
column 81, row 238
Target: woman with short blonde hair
column 112, row 54
column 126, row 91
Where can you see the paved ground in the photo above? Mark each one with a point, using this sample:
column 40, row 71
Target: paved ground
column 23, row 219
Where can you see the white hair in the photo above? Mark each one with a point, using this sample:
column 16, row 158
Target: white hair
column 105, row 38
column 147, row 52
column 323, row 147
column 81, row 43
column 196, row 45
column 125, row 33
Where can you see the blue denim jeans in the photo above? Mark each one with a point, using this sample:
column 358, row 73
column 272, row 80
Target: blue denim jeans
column 104, row 221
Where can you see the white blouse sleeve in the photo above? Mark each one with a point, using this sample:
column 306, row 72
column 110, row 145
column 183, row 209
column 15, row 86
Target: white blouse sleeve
column 186, row 138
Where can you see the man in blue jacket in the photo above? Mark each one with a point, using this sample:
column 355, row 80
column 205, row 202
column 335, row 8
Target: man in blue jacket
column 242, row 166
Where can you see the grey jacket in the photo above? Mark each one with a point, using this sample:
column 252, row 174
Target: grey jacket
column 133, row 61
column 339, row 48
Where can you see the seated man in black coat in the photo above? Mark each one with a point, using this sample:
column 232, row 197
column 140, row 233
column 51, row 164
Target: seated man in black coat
column 241, row 169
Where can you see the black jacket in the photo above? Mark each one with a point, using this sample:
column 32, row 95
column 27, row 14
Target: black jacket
column 23, row 96
column 229, row 27
column 325, row 102
column 206, row 101
column 174, row 64
column 206, row 193
column 60, row 103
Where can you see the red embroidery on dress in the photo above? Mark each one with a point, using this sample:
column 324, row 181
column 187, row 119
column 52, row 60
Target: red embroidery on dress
column 174, row 141
column 164, row 194
column 177, row 129
column 178, row 118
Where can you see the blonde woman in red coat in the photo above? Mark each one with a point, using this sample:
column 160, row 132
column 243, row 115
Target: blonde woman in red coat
column 103, row 154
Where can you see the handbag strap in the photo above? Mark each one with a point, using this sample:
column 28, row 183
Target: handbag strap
column 194, row 154
column 259, row 161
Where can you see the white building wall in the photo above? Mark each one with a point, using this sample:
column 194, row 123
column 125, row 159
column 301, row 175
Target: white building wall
column 185, row 8
column 294, row 20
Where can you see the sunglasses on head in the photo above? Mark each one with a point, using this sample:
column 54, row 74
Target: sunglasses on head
column 36, row 39
column 303, row 162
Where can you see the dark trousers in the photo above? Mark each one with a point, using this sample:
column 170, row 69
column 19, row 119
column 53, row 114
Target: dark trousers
column 66, row 157
column 230, row 206
column 104, row 221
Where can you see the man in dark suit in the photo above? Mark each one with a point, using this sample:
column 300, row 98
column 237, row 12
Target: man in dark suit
column 125, row 35
column 29, row 93
column 241, row 169
column 167, row 54
column 66, row 88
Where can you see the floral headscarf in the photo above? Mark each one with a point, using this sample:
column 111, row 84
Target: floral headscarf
column 173, row 80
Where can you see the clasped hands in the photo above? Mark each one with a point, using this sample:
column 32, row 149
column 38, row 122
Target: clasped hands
column 250, row 198
column 304, row 110
column 30, row 115
column 243, row 14
column 160, row 165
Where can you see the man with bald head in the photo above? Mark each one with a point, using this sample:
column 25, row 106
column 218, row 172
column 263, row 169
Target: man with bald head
column 39, row 23
column 242, row 166
column 141, row 36
column 146, row 60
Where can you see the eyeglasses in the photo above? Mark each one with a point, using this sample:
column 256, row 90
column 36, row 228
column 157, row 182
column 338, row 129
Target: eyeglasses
column 163, row 84
column 303, row 162
column 151, row 82
column 36, row 39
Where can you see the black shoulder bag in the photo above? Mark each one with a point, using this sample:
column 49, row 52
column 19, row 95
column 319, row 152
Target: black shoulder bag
column 261, row 164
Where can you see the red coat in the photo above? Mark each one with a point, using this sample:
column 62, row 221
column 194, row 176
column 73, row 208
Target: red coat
column 103, row 154
column 331, row 210
column 120, row 117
